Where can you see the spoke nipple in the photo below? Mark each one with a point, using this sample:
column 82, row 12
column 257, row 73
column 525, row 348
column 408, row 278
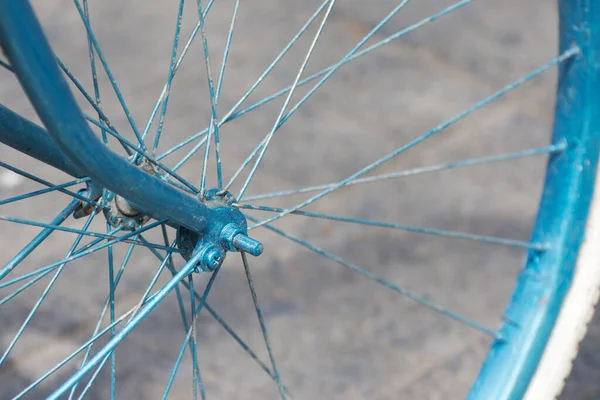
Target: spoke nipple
column 247, row 244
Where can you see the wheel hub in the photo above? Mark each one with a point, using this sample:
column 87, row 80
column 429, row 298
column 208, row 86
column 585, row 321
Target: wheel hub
column 225, row 231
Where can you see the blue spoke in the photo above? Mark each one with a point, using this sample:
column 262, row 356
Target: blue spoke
column 94, row 376
column 421, row 300
column 141, row 152
column 182, row 312
column 341, row 62
column 226, row 51
column 248, row 92
column 408, row 228
column 564, row 56
column 267, row 140
column 263, row 327
column 179, row 61
column 153, row 282
column 283, row 118
column 242, row 344
column 112, row 344
column 169, row 78
column 214, row 129
column 554, row 148
column 43, row 191
column 45, row 292
column 38, row 239
column 111, row 355
column 23, row 287
column 104, row 309
column 218, row 91
column 355, row 56
column 195, row 313
column 83, row 232
column 220, row 320
column 93, row 69
column 196, row 380
column 72, row 355
column 92, row 102
column 86, row 250
column 111, row 297
column 49, row 184
column 111, row 78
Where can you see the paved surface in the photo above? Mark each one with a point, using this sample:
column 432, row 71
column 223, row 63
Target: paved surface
column 335, row 334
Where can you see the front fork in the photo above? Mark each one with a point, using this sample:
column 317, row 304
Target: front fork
column 70, row 145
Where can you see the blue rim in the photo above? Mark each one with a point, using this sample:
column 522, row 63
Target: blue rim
column 546, row 277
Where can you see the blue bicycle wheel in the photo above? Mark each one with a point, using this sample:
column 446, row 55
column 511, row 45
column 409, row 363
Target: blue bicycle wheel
column 356, row 132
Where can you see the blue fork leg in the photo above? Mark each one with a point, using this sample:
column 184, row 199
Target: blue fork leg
column 34, row 63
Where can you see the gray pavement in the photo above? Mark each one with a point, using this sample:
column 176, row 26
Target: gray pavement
column 335, row 334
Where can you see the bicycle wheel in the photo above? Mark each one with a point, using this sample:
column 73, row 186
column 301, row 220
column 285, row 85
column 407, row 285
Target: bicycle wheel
column 380, row 348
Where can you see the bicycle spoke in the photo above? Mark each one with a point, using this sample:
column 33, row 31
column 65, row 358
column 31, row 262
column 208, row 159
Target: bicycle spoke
column 564, row 56
column 90, row 342
column 43, row 191
column 94, row 376
column 408, row 228
column 111, row 78
column 226, row 50
column 93, row 69
column 419, row 299
column 111, row 297
column 267, row 140
column 83, row 232
column 196, row 378
column 368, row 49
column 45, row 292
column 177, row 64
column 169, row 78
column 86, row 250
column 552, row 149
column 195, row 313
column 220, row 320
column 143, row 153
column 103, row 312
column 49, row 184
column 93, row 103
column 214, row 128
column 111, row 355
column 248, row 92
column 261, row 321
column 283, row 118
column 38, row 239
column 112, row 344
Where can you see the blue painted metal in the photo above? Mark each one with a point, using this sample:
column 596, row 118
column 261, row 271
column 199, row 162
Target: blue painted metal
column 34, row 63
column 40, row 237
column 543, row 283
column 135, row 320
column 27, row 137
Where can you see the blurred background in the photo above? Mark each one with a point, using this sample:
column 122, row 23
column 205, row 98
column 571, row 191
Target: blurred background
column 335, row 334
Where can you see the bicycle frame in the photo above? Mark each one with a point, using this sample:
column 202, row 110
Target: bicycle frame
column 69, row 144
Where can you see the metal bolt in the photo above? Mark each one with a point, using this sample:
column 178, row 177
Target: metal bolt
column 247, row 244
column 211, row 259
column 114, row 220
column 131, row 225
column 110, row 196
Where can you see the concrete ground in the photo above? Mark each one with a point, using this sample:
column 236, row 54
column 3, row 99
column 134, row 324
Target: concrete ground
column 335, row 334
